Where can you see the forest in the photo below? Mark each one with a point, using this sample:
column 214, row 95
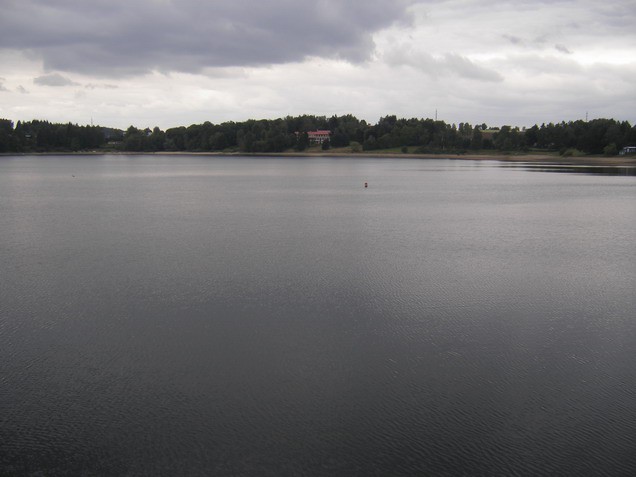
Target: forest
column 597, row 136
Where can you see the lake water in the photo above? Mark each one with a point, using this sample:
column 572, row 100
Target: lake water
column 189, row 315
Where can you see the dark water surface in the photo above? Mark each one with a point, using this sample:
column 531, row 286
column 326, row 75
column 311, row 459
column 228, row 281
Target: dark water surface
column 270, row 316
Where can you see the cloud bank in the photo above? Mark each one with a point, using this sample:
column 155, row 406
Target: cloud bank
column 53, row 79
column 132, row 38
column 176, row 62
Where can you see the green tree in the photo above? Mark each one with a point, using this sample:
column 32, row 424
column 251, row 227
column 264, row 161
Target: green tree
column 302, row 141
column 477, row 141
column 156, row 141
column 610, row 150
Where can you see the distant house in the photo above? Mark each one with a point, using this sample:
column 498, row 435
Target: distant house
column 628, row 150
column 319, row 136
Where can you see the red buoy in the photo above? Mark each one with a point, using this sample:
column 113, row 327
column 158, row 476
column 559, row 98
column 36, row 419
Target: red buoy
column 366, row 185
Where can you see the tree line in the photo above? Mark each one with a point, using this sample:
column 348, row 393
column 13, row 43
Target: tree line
column 44, row 136
column 598, row 136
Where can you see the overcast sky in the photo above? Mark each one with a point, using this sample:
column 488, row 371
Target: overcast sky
column 177, row 62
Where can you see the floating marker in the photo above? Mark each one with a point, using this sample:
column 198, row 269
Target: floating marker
column 366, row 185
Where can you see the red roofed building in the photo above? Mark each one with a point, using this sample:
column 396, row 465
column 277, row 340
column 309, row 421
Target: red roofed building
column 319, row 136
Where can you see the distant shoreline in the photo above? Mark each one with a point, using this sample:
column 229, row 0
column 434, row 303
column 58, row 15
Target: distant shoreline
column 614, row 161
column 618, row 161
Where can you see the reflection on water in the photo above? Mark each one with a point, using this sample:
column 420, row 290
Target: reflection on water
column 265, row 316
column 575, row 169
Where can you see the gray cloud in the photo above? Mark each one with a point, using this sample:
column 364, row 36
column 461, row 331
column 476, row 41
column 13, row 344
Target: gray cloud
column 451, row 64
column 562, row 49
column 2, row 86
column 465, row 68
column 534, row 64
column 53, row 79
column 536, row 43
column 22, row 90
column 515, row 40
column 100, row 86
column 108, row 38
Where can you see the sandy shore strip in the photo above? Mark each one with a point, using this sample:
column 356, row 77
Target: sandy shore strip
column 615, row 161
column 624, row 161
